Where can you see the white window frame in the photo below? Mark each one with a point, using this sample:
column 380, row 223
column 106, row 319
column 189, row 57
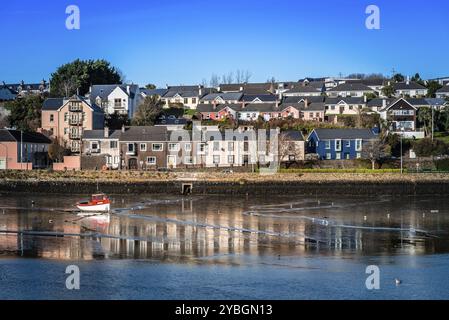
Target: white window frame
column 150, row 162
column 170, row 147
column 337, row 144
column 328, row 156
column 327, row 144
column 214, row 158
column 157, row 143
column 338, row 156
column 188, row 147
column 188, row 160
column 358, row 144
column 142, row 144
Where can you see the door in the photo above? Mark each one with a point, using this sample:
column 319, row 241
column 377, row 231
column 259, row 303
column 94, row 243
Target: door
column 3, row 163
column 132, row 164
column 171, row 161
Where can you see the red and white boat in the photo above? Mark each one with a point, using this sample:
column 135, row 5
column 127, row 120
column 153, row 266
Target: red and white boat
column 98, row 203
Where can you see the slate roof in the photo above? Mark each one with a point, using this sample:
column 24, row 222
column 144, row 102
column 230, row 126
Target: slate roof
column 262, row 97
column 104, row 90
column 351, row 86
column 99, row 134
column 53, row 104
column 304, row 89
column 229, row 96
column 9, row 135
column 6, row 94
column 444, row 89
column 293, row 135
column 408, row 86
column 348, row 100
column 328, row 134
column 152, row 92
column 297, row 99
column 146, row 133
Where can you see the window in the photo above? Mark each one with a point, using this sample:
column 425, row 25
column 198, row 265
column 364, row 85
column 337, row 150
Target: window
column 327, row 144
column 348, row 144
column 358, row 145
column 116, row 160
column 117, row 103
column 66, row 130
column 113, row 144
column 66, row 118
column 173, row 147
column 359, row 155
column 157, row 147
column 186, row 100
column 337, row 145
column 151, row 160
column 130, row 147
column 193, row 100
column 188, row 147
column 143, row 147
column 332, row 107
column 202, row 148
column 231, row 159
column 216, row 159
column 52, row 118
column 310, row 114
column 94, row 145
column 231, row 146
column 338, row 156
column 188, row 160
column 216, row 146
column 109, row 160
column 328, row 156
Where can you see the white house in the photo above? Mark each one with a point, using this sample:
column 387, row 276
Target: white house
column 116, row 98
column 443, row 92
column 350, row 89
column 409, row 88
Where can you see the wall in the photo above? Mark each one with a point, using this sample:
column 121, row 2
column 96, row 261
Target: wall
column 70, row 163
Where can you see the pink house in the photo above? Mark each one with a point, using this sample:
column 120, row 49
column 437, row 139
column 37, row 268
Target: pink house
column 23, row 150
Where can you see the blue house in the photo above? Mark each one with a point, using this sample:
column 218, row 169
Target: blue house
column 339, row 144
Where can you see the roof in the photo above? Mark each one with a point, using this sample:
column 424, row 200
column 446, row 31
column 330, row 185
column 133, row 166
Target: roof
column 153, row 92
column 347, row 100
column 168, row 121
column 293, row 135
column 408, row 85
column 369, row 82
column 327, row 134
column 53, row 104
column 401, row 102
column 145, row 133
column 9, row 135
column 104, row 90
column 378, row 102
column 249, row 88
column 42, row 86
column 229, row 96
column 261, row 97
column 303, row 89
column 444, row 89
column 351, row 86
column 99, row 134
column 296, row 99
column 6, row 94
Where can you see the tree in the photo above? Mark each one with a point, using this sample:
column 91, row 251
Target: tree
column 424, row 118
column 25, row 113
column 432, row 87
column 56, row 151
column 288, row 148
column 426, row 147
column 388, row 91
column 115, row 121
column 398, row 77
column 150, row 86
column 148, row 112
column 214, row 81
column 375, row 151
column 417, row 78
column 79, row 75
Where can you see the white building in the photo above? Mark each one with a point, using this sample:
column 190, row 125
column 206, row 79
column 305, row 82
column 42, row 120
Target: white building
column 116, row 98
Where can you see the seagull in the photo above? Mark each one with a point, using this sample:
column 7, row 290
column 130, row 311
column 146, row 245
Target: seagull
column 397, row 281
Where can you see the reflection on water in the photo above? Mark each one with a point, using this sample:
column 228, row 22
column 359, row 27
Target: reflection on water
column 213, row 228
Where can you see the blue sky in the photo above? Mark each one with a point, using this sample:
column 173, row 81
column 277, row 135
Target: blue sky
column 183, row 42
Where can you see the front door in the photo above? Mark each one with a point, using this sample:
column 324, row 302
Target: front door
column 132, row 164
column 171, row 161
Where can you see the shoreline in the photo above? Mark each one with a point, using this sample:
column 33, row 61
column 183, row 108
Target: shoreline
column 221, row 183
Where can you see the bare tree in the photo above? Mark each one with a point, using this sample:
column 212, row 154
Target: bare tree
column 247, row 76
column 214, row 81
column 289, row 149
column 375, row 150
column 239, row 76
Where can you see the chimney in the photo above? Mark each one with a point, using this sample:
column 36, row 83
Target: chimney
column 241, row 88
column 384, row 103
column 123, row 128
column 277, row 104
column 306, row 102
column 200, row 91
column 106, row 132
column 365, row 98
column 243, row 104
column 128, row 89
column 215, row 105
column 280, row 95
column 408, row 80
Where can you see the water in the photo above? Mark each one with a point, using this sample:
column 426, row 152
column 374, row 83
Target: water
column 217, row 247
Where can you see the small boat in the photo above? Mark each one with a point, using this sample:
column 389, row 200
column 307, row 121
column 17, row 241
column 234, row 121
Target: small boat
column 98, row 203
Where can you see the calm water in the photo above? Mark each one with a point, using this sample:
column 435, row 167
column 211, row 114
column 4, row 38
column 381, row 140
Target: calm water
column 216, row 247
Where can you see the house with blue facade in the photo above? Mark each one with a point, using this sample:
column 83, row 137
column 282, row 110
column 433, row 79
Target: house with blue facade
column 339, row 144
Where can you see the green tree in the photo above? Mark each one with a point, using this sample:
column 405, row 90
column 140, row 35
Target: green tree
column 388, row 91
column 432, row 87
column 424, row 118
column 79, row 75
column 115, row 121
column 426, row 147
column 148, row 112
column 25, row 113
column 398, row 77
column 150, row 86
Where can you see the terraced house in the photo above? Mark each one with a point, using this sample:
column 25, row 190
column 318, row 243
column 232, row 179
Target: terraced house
column 67, row 119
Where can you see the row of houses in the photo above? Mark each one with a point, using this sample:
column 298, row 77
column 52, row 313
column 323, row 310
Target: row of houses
column 156, row 147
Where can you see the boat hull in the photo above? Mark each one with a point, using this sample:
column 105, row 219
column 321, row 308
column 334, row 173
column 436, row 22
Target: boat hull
column 105, row 207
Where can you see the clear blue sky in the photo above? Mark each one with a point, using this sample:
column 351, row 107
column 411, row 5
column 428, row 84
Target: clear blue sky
column 182, row 42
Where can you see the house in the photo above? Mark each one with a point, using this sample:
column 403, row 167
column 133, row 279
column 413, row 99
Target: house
column 301, row 99
column 116, row 98
column 7, row 94
column 409, row 89
column 101, row 149
column 401, row 118
column 250, row 88
column 67, row 119
column 222, row 98
column 350, row 89
column 23, row 89
column 218, row 111
column 186, row 96
column 315, row 111
column 376, row 104
column 344, row 106
column 291, row 146
column 339, row 144
column 305, row 90
column 443, row 92
column 376, row 84
column 23, row 150
column 152, row 92
column 259, row 98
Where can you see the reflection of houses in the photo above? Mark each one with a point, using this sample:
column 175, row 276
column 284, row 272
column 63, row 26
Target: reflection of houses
column 339, row 144
column 23, row 150
column 115, row 98
column 401, row 118
column 66, row 119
